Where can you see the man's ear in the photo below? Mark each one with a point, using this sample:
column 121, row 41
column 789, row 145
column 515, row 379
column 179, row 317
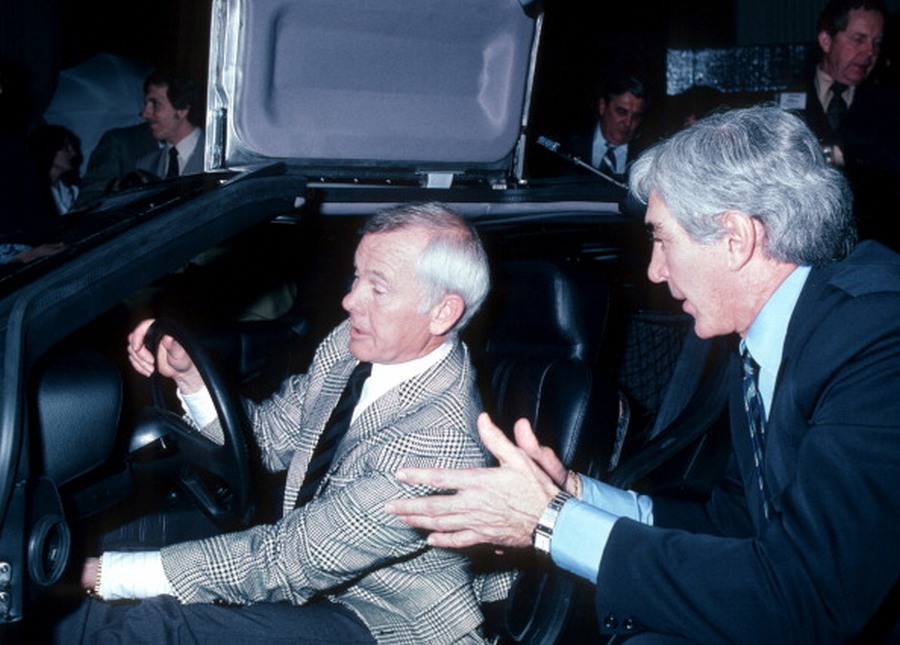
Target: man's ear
column 183, row 114
column 601, row 107
column 743, row 235
column 446, row 314
column 824, row 41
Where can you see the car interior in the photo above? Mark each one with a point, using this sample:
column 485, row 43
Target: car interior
column 247, row 264
column 551, row 344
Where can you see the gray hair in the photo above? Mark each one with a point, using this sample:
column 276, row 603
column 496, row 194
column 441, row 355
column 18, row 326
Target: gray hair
column 454, row 260
column 762, row 161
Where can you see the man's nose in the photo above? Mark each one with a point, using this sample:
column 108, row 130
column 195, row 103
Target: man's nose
column 349, row 300
column 870, row 49
column 656, row 270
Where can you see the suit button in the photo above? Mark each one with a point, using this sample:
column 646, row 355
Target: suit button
column 630, row 624
column 610, row 622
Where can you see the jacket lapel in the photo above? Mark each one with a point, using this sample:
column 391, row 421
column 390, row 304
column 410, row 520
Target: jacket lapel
column 402, row 400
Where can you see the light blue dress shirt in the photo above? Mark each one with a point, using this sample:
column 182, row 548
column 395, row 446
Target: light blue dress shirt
column 584, row 525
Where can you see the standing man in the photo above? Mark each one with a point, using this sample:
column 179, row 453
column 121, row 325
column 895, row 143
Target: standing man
column 752, row 231
column 849, row 35
column 335, row 567
column 855, row 119
column 608, row 145
column 170, row 110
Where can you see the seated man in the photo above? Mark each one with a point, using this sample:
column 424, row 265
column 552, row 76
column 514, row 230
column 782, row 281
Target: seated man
column 335, row 567
column 171, row 110
column 753, row 232
column 611, row 143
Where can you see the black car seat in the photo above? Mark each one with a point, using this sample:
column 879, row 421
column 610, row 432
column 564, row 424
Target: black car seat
column 536, row 352
column 79, row 400
column 683, row 448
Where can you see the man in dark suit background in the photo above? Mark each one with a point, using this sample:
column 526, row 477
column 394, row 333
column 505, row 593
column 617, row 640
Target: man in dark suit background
column 753, row 232
column 172, row 111
column 855, row 118
column 115, row 155
column 608, row 144
column 138, row 153
column 849, row 35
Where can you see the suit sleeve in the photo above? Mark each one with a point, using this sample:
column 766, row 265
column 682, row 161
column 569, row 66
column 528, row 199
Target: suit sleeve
column 820, row 568
column 339, row 537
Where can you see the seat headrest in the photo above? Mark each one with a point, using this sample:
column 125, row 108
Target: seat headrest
column 79, row 399
column 541, row 309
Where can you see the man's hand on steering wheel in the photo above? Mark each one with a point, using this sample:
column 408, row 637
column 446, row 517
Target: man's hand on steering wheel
column 171, row 360
column 216, row 474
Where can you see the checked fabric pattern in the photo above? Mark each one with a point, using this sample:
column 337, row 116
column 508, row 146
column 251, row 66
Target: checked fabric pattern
column 756, row 419
column 334, row 431
column 342, row 545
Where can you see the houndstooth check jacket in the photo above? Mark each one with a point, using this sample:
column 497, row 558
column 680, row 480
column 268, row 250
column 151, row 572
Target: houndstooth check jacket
column 343, row 546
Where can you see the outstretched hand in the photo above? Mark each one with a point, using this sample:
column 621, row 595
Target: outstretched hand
column 499, row 506
column 171, row 359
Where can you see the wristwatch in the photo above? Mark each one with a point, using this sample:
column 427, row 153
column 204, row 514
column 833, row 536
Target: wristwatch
column 543, row 532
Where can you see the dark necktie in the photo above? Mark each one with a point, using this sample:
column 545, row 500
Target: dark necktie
column 756, row 419
column 172, row 170
column 837, row 106
column 609, row 159
column 334, row 431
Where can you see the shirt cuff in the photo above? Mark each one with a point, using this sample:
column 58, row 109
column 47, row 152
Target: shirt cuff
column 618, row 502
column 199, row 407
column 130, row 575
column 579, row 538
column 583, row 527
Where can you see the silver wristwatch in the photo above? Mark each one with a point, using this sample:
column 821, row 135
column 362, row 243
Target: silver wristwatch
column 543, row 532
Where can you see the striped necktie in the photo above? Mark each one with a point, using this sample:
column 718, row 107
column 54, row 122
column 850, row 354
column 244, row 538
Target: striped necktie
column 756, row 419
column 609, row 159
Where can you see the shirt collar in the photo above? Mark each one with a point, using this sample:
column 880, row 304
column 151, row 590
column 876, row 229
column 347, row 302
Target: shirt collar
column 187, row 145
column 384, row 377
column 765, row 338
column 823, row 88
column 598, row 149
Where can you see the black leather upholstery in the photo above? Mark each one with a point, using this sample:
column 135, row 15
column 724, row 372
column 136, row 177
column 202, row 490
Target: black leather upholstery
column 79, row 399
column 546, row 325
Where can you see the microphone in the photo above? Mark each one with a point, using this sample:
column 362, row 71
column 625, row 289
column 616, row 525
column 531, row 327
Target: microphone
column 550, row 144
column 556, row 148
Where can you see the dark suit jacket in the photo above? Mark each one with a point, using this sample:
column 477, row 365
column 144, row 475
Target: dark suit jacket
column 870, row 140
column 115, row 155
column 873, row 111
column 819, row 569
column 27, row 214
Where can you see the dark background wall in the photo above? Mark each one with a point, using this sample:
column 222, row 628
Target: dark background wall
column 40, row 37
column 584, row 38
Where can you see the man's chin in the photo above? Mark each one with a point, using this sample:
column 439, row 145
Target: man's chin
column 358, row 349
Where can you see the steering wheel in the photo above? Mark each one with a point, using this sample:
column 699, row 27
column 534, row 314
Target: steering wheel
column 217, row 478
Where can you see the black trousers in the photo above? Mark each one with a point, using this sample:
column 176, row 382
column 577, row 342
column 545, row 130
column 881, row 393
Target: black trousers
column 164, row 620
